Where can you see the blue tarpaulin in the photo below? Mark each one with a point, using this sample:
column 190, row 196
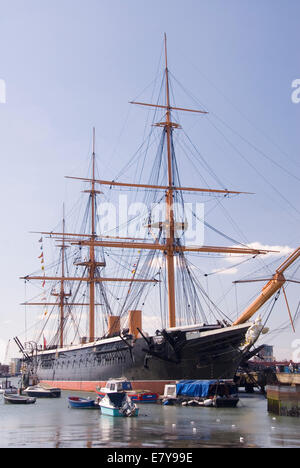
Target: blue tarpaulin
column 194, row 388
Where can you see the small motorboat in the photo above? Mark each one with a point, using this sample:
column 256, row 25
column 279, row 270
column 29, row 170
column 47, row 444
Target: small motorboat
column 38, row 391
column 18, row 399
column 118, row 404
column 208, row 393
column 143, row 396
column 84, row 403
column 124, row 385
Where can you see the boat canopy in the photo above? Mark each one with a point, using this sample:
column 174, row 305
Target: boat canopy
column 200, row 388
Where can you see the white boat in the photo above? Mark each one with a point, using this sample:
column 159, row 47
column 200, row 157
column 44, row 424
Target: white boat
column 38, row 391
column 118, row 404
column 124, row 385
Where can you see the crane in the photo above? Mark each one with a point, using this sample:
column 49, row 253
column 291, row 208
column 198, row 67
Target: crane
column 273, row 285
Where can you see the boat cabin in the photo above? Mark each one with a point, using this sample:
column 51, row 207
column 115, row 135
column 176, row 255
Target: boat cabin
column 117, row 385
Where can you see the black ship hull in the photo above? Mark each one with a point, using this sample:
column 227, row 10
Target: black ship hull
column 198, row 353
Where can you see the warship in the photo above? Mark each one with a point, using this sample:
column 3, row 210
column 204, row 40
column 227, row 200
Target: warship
column 114, row 342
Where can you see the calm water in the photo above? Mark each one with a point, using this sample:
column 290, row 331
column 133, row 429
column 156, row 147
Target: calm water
column 50, row 423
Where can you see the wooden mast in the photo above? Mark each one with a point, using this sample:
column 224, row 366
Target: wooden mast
column 92, row 250
column 169, row 248
column 62, row 292
column 169, row 205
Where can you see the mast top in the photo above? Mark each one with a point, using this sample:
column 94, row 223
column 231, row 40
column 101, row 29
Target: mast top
column 93, row 153
column 166, row 55
column 168, row 105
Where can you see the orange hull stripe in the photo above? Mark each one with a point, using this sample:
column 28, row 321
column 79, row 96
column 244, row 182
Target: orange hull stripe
column 156, row 386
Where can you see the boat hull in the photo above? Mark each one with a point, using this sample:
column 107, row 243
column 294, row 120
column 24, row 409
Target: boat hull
column 41, row 392
column 145, row 398
column 137, row 397
column 115, row 412
column 206, row 355
column 37, row 394
column 82, row 403
column 18, row 400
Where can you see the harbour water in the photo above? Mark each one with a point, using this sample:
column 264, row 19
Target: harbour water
column 50, row 423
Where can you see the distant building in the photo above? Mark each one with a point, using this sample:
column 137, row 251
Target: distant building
column 266, row 354
column 4, row 370
column 15, row 366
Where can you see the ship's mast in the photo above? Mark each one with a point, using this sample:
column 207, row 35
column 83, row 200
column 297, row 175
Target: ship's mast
column 62, row 292
column 169, row 204
column 92, row 250
column 91, row 279
column 169, row 248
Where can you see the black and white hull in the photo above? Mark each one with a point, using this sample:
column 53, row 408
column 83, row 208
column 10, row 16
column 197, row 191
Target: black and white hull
column 182, row 353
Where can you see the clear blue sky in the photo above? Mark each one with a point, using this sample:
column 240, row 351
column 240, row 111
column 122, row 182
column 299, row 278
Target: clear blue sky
column 70, row 65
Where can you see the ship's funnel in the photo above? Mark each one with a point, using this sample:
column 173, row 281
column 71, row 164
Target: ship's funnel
column 135, row 322
column 113, row 325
